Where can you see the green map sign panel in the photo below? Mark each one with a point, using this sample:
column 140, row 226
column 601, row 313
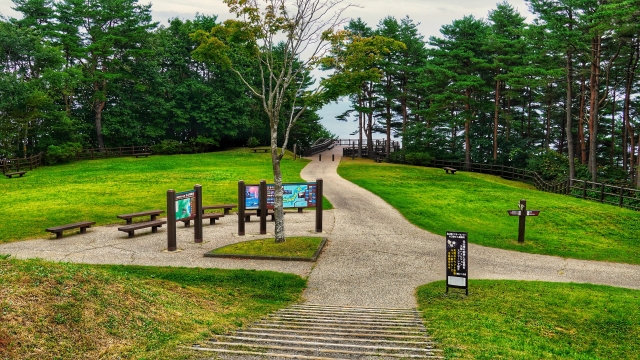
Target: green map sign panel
column 185, row 205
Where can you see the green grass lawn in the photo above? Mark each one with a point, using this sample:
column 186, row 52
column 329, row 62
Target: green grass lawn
column 299, row 247
column 478, row 204
column 533, row 320
column 98, row 190
column 72, row 311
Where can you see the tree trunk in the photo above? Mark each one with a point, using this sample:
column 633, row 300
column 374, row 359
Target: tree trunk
column 98, row 106
column 570, row 148
column 613, row 129
column 388, row 110
column 594, row 106
column 360, row 120
column 496, row 112
column 467, row 142
column 370, row 125
column 581, row 139
column 547, row 139
column 279, row 191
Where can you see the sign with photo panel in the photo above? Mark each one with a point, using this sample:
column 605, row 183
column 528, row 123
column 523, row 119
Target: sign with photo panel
column 457, row 260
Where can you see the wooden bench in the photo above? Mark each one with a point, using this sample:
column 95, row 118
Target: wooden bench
column 11, row 174
column 447, row 169
column 227, row 207
column 211, row 216
column 59, row 229
column 154, row 225
column 141, row 154
column 261, row 149
column 248, row 215
column 129, row 217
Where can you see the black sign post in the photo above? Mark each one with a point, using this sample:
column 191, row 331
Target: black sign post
column 522, row 213
column 457, row 261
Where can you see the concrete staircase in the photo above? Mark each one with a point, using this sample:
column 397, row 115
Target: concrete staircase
column 308, row 331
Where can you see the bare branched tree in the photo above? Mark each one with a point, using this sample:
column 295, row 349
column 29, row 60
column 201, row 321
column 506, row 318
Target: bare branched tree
column 288, row 38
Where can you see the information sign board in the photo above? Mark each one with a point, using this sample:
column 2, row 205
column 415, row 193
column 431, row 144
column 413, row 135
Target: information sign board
column 457, row 260
column 252, row 197
column 296, row 195
column 185, row 205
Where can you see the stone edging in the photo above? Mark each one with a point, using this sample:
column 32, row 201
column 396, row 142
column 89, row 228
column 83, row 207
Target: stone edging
column 264, row 257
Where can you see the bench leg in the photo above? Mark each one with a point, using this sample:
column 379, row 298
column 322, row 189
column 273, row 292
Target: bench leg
column 153, row 217
column 154, row 229
column 187, row 223
column 129, row 221
column 130, row 234
column 212, row 221
column 247, row 218
column 83, row 230
column 59, row 235
column 299, row 210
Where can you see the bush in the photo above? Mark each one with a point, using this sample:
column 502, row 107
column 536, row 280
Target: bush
column 193, row 146
column 62, row 154
column 253, row 142
column 202, row 144
column 168, row 147
column 411, row 158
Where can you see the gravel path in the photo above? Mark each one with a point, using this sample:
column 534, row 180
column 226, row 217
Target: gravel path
column 374, row 258
column 377, row 258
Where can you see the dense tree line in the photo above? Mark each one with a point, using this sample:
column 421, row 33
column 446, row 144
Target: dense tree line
column 90, row 73
column 503, row 91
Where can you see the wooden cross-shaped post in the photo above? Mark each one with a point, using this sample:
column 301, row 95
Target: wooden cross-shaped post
column 522, row 213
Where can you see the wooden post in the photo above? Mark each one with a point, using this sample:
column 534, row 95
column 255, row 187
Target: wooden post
column 602, row 193
column 319, row 185
column 621, row 196
column 353, row 151
column 171, row 220
column 263, row 207
column 584, row 189
column 319, row 157
column 523, row 217
column 197, row 231
column 242, row 202
column 333, row 157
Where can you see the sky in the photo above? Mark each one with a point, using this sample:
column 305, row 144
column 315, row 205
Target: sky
column 431, row 15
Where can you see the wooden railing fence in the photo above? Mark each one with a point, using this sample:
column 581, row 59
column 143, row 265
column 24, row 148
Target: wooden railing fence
column 111, row 152
column 588, row 190
column 31, row 162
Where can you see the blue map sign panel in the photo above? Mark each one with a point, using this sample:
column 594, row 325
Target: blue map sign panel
column 296, row 195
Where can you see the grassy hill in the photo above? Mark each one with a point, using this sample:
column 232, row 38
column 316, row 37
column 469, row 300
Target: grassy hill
column 72, row 311
column 478, row 204
column 98, row 190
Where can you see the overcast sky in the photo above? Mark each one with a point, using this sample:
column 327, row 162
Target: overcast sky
column 430, row 14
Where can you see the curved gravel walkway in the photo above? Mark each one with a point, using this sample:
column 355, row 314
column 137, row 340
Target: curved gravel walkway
column 374, row 258
column 377, row 258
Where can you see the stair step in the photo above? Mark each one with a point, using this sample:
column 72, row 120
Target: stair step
column 329, row 351
column 315, row 343
column 377, row 333
column 366, row 320
column 311, row 331
column 348, row 339
column 346, row 324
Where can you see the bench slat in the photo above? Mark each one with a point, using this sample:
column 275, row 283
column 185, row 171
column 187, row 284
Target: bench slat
column 142, row 225
column 142, row 213
column 70, row 226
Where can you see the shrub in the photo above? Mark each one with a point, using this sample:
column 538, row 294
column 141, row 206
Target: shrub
column 202, row 144
column 168, row 147
column 62, row 154
column 411, row 158
column 253, row 142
